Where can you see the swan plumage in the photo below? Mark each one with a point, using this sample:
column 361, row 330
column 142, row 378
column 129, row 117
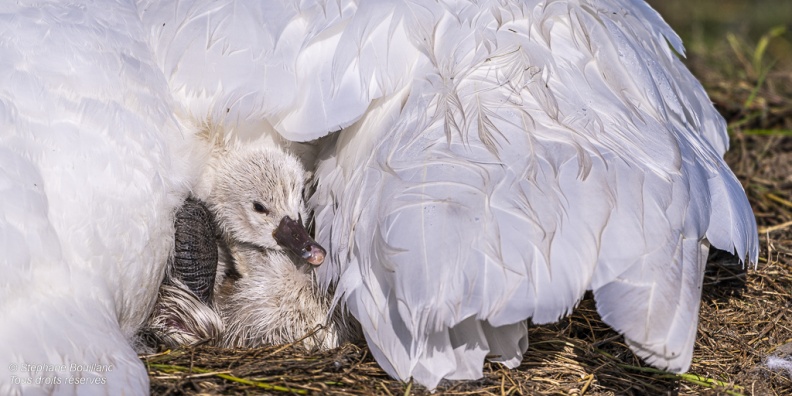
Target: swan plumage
column 91, row 173
column 497, row 159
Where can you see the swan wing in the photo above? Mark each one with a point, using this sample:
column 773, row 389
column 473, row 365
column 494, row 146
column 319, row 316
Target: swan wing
column 302, row 68
column 540, row 150
column 236, row 63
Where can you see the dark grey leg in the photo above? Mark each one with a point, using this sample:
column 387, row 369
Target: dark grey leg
column 195, row 254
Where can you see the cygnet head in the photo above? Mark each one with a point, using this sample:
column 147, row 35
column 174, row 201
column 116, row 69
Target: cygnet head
column 257, row 199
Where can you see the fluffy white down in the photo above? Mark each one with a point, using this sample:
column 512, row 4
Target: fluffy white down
column 263, row 292
column 497, row 160
column 274, row 299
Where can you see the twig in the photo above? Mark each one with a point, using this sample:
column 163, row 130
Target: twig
column 287, row 346
column 691, row 378
column 778, row 199
column 209, row 374
column 382, row 384
column 229, row 377
column 168, row 352
column 408, row 389
column 589, row 380
column 767, row 328
column 764, row 230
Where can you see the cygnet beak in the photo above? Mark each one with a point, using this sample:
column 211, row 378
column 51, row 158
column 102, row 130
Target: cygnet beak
column 292, row 235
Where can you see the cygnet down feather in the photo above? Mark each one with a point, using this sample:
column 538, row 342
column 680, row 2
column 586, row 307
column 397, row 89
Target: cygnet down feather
column 263, row 291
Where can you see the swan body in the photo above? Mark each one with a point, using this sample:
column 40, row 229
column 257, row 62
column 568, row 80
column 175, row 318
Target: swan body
column 497, row 159
column 90, row 175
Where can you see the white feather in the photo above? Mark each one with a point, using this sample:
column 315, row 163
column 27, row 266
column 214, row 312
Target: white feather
column 497, row 160
column 569, row 150
column 89, row 177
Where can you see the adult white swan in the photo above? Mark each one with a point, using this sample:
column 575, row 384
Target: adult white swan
column 89, row 178
column 498, row 159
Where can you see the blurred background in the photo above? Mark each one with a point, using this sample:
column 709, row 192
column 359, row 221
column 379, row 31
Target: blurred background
column 741, row 50
column 706, row 24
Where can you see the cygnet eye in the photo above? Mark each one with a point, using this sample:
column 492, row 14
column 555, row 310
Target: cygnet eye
column 260, row 208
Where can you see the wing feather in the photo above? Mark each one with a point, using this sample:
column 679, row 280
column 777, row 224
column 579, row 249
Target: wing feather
column 496, row 161
column 501, row 185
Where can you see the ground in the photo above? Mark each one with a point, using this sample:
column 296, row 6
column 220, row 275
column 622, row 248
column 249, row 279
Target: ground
column 744, row 317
